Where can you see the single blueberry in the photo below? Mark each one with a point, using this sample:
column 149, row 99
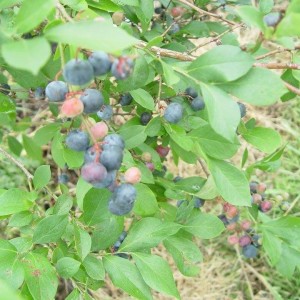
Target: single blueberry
column 77, row 140
column 78, row 72
column 101, row 62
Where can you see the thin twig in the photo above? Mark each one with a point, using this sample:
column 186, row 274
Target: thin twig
column 242, row 263
column 292, row 88
column 215, row 38
column 203, row 167
column 292, row 205
column 278, row 66
column 17, row 163
column 260, row 277
column 165, row 52
column 279, row 50
column 63, row 12
column 204, row 12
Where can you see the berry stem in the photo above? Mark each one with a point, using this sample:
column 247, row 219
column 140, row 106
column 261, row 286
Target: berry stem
column 87, row 126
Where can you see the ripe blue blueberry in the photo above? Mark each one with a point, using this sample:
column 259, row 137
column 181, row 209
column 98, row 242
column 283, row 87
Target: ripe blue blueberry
column 198, row 103
column 177, row 178
column 56, row 91
column 77, row 140
column 250, row 251
column 191, row 92
column 198, row 202
column 106, row 112
column 39, row 93
column 174, row 28
column 122, row 67
column 145, row 118
column 92, row 100
column 243, row 109
column 122, row 199
column 107, row 181
column 126, row 99
column 113, row 140
column 101, row 62
column 272, row 19
column 78, row 72
column 173, row 113
column 63, row 178
column 112, row 158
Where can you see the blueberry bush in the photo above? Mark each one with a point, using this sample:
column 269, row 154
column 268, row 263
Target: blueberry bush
column 99, row 94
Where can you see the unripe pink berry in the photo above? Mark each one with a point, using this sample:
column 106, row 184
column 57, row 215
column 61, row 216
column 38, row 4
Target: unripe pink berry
column 232, row 211
column 261, row 188
column 133, row 175
column 99, row 130
column 176, row 11
column 162, row 151
column 257, row 198
column 246, row 224
column 72, row 108
column 231, row 227
column 150, row 166
column 233, row 239
column 244, row 240
column 265, row 206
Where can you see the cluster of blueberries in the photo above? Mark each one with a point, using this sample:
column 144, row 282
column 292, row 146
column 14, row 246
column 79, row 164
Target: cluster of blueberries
column 79, row 72
column 102, row 159
column 101, row 164
column 244, row 235
column 258, row 196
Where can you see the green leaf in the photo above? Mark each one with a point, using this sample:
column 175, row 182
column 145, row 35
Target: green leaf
column 83, row 242
column 231, row 183
column 91, row 35
column 190, row 184
column 14, row 145
column 204, row 226
column 50, row 229
column 133, row 135
column 289, row 25
column 94, row 267
column 9, row 3
column 63, row 205
column 44, row 134
column 42, row 176
column 251, row 16
column 8, row 293
column 272, row 246
column 162, row 280
column 95, row 206
column 10, row 269
column 264, row 139
column 143, row 98
column 74, row 159
column 74, row 295
column 288, row 262
column 13, row 201
column 265, row 6
column 257, row 87
column 221, row 64
column 57, row 150
column 145, row 203
column 185, row 254
column 67, row 267
column 40, row 277
column 106, row 233
column 28, row 18
column 125, row 275
column 82, row 188
column 30, row 55
column 32, row 149
column 147, row 233
column 213, row 144
column 285, row 227
column 20, row 219
column 223, row 113
column 169, row 75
